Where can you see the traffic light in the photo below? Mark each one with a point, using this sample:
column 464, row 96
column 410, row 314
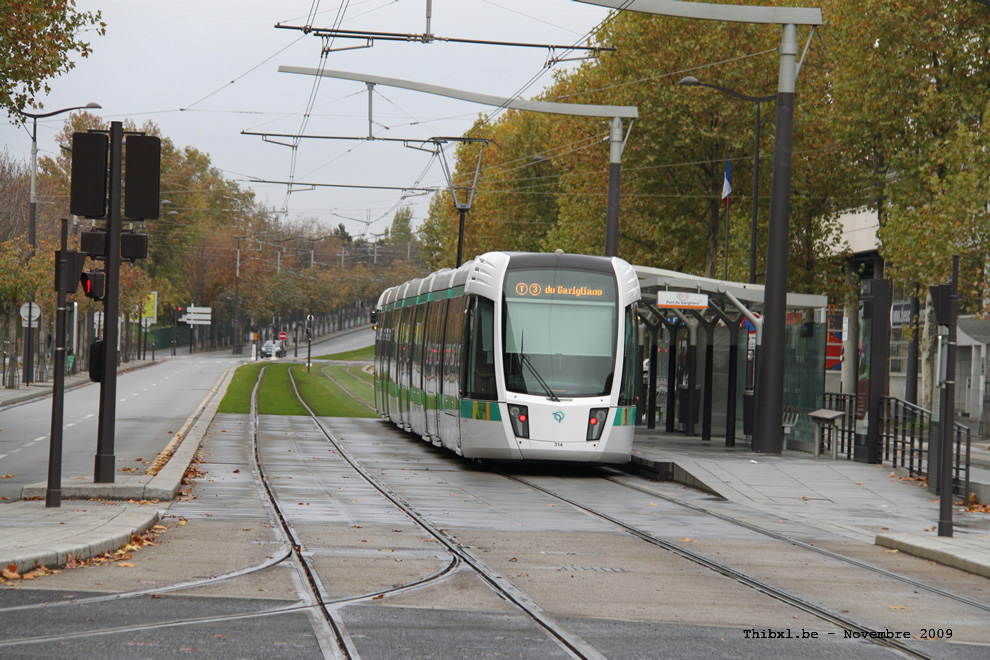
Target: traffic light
column 94, row 284
column 69, row 265
column 97, row 368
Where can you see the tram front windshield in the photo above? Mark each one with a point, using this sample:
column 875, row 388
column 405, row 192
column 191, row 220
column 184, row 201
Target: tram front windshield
column 559, row 332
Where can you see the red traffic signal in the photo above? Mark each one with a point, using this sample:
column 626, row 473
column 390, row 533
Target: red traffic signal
column 93, row 284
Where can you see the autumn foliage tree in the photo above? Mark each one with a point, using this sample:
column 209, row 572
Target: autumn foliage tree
column 39, row 39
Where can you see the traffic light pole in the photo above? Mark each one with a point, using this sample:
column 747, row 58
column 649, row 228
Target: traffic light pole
column 53, row 496
column 105, row 458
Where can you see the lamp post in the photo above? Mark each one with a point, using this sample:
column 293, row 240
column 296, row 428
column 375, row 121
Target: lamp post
column 237, row 291
column 691, row 81
column 33, row 216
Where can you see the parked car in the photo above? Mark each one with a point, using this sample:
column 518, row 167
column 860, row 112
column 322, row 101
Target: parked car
column 273, row 348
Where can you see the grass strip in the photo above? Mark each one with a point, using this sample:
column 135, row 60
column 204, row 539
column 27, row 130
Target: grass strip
column 355, row 385
column 276, row 396
column 366, row 354
column 237, row 398
column 327, row 399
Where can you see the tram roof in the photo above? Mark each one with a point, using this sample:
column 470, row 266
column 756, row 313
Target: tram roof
column 652, row 280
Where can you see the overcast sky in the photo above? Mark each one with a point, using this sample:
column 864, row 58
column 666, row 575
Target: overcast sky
column 206, row 70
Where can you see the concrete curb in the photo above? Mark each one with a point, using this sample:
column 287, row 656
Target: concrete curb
column 68, row 533
column 166, row 483
column 950, row 551
column 669, row 471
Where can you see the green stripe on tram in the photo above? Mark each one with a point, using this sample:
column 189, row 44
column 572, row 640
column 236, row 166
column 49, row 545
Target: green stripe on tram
column 486, row 410
column 625, row 416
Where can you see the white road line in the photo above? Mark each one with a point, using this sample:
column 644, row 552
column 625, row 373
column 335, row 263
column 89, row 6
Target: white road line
column 70, row 424
column 88, row 416
column 123, row 400
column 2, row 455
column 38, row 439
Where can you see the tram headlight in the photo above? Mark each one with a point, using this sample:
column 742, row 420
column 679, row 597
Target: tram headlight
column 519, row 416
column 596, row 423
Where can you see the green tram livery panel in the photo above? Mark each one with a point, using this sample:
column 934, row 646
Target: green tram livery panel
column 514, row 356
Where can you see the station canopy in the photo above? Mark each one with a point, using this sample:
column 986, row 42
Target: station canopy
column 722, row 294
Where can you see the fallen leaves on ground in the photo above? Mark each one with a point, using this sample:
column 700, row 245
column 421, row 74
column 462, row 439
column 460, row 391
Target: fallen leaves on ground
column 7, row 476
column 976, row 506
column 10, row 573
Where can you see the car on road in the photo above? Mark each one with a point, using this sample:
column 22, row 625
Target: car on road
column 273, row 348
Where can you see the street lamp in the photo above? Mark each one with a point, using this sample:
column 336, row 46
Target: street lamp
column 33, row 216
column 691, row 81
column 237, row 291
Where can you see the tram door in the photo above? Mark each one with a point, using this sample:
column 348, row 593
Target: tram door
column 404, row 358
column 431, row 374
column 450, row 372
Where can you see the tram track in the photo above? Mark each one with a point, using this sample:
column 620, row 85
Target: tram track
column 756, row 583
column 937, row 591
column 762, row 586
column 290, row 548
column 566, row 640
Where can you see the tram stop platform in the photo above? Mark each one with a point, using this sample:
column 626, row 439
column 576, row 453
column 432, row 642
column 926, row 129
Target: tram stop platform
column 869, row 503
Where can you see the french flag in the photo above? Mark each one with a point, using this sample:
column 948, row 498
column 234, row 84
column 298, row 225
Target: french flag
column 727, row 183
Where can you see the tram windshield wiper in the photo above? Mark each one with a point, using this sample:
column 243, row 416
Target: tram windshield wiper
column 529, row 363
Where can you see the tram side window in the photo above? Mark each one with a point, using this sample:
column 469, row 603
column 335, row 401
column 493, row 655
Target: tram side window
column 630, row 358
column 480, row 377
column 453, row 344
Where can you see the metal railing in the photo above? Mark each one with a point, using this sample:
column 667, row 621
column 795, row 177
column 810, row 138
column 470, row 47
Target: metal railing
column 905, row 431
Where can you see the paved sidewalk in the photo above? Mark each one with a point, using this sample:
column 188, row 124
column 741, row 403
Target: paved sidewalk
column 83, row 526
column 869, row 503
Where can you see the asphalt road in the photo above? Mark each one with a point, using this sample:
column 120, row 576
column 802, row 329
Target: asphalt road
column 152, row 404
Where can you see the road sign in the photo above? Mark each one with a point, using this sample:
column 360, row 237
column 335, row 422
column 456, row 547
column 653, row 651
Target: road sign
column 197, row 315
column 32, row 310
column 283, row 335
column 150, row 308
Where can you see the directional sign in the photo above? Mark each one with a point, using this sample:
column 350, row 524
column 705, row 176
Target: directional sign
column 197, row 315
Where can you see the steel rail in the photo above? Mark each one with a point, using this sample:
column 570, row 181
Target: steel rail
column 727, row 571
column 567, row 640
column 808, row 546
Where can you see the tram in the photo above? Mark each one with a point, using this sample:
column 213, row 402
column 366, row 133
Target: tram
column 514, row 356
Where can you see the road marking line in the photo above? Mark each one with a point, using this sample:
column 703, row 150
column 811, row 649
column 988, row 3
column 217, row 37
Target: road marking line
column 70, row 424
column 36, row 440
column 2, row 455
column 88, row 416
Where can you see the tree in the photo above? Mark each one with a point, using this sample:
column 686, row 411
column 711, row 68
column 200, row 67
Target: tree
column 39, row 38
column 401, row 230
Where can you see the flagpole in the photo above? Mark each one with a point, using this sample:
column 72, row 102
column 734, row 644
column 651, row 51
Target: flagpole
column 726, row 191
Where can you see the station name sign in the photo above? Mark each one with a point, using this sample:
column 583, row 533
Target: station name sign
column 682, row 300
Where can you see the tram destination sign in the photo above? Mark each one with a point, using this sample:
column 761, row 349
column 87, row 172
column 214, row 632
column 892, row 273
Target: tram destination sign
column 682, row 300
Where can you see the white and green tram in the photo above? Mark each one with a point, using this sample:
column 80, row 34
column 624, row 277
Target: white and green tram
column 514, row 356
